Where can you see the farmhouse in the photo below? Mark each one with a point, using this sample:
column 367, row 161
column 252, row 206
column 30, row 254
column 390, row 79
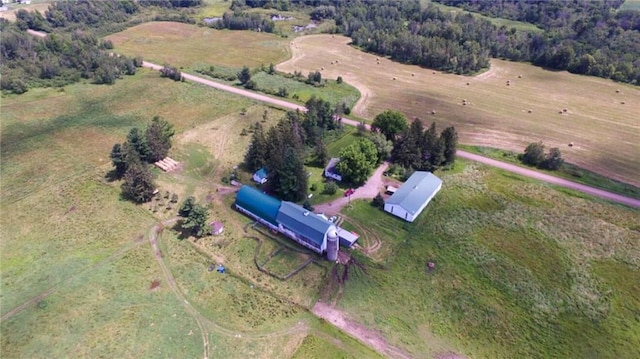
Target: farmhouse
column 310, row 230
column 260, row 176
column 330, row 170
column 413, row 196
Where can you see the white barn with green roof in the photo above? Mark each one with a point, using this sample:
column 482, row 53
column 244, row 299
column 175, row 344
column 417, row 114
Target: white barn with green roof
column 413, row 196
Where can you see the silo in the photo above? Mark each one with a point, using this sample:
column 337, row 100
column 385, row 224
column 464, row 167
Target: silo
column 332, row 244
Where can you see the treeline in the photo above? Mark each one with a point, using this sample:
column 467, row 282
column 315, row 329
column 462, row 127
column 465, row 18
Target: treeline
column 239, row 20
column 56, row 60
column 414, row 147
column 284, row 148
column 582, row 36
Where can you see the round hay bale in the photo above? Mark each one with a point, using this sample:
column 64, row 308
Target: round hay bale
column 560, row 112
column 564, row 110
column 433, row 112
column 530, row 111
column 519, row 76
column 622, row 102
column 377, row 59
column 434, row 72
column 394, row 79
column 331, row 62
column 337, row 61
column 464, row 104
column 570, row 144
column 322, row 68
column 412, row 74
column 468, row 83
column 618, row 91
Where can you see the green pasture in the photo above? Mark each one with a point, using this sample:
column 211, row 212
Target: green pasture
column 522, row 270
column 630, row 5
column 568, row 171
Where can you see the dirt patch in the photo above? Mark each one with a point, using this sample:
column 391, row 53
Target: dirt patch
column 358, row 331
column 155, row 284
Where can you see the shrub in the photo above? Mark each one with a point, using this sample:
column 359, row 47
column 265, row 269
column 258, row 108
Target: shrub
column 378, row 201
column 330, row 188
column 314, row 187
column 533, row 154
column 339, row 80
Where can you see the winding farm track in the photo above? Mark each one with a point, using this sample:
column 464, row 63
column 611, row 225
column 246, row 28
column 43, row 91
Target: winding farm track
column 632, row 202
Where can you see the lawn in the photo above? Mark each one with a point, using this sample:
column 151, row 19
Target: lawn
column 599, row 120
column 184, row 45
column 36, row 5
column 522, row 270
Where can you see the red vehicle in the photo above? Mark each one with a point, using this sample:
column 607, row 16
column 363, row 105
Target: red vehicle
column 349, row 192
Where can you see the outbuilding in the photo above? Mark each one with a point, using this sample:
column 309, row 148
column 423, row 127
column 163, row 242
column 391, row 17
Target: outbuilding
column 413, row 196
column 331, row 172
column 260, row 176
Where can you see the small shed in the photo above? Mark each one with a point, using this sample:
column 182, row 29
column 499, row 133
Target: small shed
column 260, row 176
column 216, row 228
column 331, row 172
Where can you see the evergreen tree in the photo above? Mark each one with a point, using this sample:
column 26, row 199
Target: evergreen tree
column 138, row 142
column 256, row 156
column 322, row 154
column 138, row 182
column 429, row 146
column 196, row 221
column 119, row 160
column 244, row 75
column 187, row 206
column 292, row 177
column 450, row 138
column 158, row 138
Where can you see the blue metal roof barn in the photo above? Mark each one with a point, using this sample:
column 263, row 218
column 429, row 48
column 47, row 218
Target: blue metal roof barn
column 308, row 226
column 258, row 203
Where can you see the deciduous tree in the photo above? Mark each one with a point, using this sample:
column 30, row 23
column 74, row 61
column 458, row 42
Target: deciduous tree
column 390, row 123
column 533, row 154
column 357, row 161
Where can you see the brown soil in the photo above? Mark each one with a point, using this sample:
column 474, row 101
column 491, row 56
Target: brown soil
column 155, row 284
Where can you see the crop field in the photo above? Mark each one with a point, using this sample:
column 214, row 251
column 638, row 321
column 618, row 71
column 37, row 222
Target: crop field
column 600, row 117
column 184, row 45
column 522, row 270
column 630, row 5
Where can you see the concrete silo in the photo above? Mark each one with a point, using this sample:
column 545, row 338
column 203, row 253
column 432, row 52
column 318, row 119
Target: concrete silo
column 332, row 244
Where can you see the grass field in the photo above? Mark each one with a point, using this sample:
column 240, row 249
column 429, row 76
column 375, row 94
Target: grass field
column 521, row 271
column 568, row 171
column 518, row 25
column 78, row 276
column 184, row 45
column 604, row 130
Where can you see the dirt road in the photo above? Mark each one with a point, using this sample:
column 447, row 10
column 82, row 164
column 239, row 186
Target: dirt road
column 462, row 154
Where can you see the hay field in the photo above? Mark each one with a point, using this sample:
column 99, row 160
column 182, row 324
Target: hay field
column 184, row 45
column 605, row 131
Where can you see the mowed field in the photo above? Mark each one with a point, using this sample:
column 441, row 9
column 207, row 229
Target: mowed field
column 184, row 45
column 599, row 116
